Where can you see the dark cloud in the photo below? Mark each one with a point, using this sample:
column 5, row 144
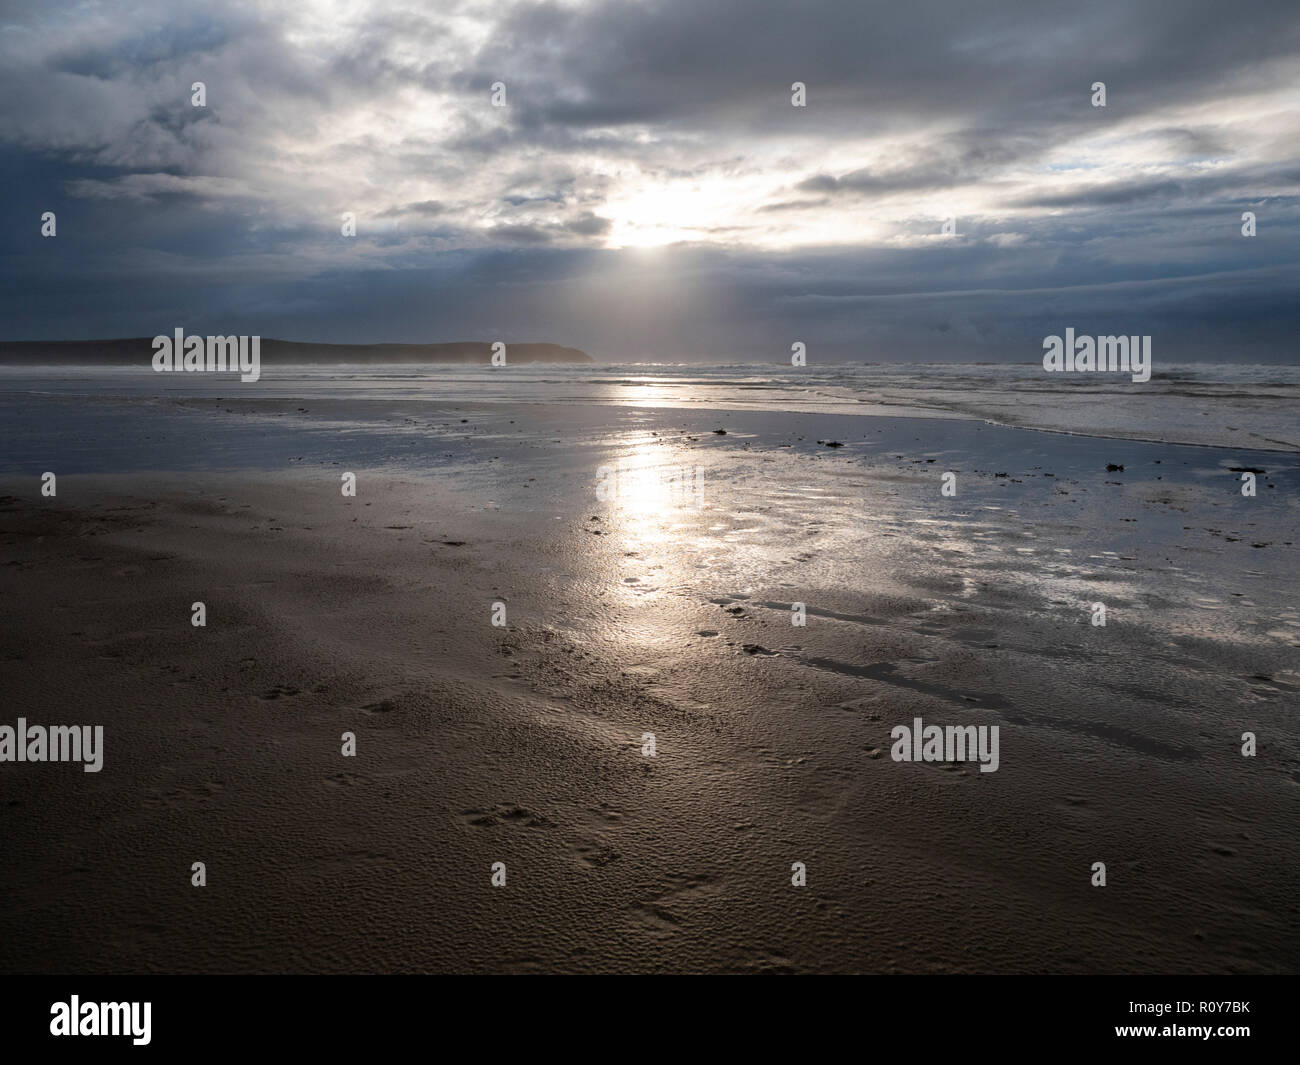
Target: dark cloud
column 588, row 225
column 427, row 208
column 1231, row 184
column 795, row 205
column 520, row 234
column 623, row 117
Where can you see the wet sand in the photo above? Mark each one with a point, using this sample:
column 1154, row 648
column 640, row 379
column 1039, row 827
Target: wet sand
column 663, row 608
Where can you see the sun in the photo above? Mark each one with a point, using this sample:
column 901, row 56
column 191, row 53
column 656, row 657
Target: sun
column 652, row 212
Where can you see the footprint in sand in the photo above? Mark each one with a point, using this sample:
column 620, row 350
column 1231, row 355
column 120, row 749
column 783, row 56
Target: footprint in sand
column 506, row 815
column 597, row 855
column 666, row 911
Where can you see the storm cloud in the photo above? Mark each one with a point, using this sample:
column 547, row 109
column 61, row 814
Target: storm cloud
column 648, row 191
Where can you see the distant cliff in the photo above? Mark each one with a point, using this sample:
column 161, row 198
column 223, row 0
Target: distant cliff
column 138, row 351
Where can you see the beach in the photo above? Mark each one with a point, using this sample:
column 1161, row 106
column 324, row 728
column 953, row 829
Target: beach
column 644, row 570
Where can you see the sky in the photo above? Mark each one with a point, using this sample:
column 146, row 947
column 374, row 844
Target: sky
column 648, row 191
